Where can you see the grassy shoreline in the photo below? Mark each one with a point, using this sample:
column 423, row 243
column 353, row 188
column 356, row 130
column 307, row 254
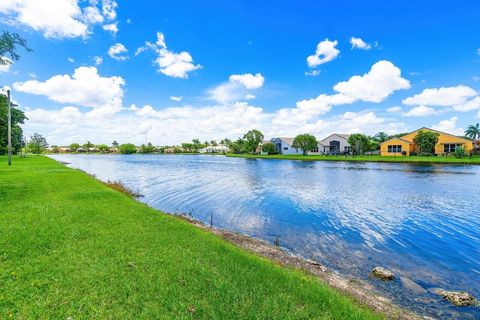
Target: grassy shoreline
column 72, row 247
column 365, row 158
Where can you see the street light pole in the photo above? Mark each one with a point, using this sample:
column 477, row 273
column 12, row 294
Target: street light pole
column 9, row 129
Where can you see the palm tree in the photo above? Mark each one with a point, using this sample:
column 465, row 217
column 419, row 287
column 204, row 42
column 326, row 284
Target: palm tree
column 473, row 131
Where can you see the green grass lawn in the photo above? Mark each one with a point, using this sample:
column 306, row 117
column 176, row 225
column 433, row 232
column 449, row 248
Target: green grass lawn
column 365, row 158
column 72, row 247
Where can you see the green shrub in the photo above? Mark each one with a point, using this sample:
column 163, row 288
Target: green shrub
column 127, row 148
column 269, row 148
column 459, row 152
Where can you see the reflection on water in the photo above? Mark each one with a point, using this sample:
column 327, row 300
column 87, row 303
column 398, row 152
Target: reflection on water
column 421, row 221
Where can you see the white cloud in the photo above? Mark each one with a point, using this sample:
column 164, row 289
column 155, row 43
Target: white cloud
column 443, row 97
column 180, row 124
column 420, row 111
column 323, row 103
column 476, row 78
column 176, row 98
column 97, row 60
column 64, row 116
column 478, row 51
column 71, row 60
column 381, row 81
column 449, row 126
column 176, row 65
column 117, row 52
column 57, row 18
column 228, row 118
column 312, row 73
column 109, row 8
column 112, row 27
column 238, row 87
column 84, row 88
column 469, row 105
column 394, row 109
column 359, row 43
column 91, row 15
column 374, row 86
column 325, row 52
column 248, row 80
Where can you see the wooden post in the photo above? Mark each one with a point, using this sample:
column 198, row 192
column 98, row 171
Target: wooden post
column 9, row 129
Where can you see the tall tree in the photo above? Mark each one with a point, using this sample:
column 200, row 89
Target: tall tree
column 252, row 139
column 306, row 142
column 88, row 144
column 37, row 144
column 196, row 144
column 103, row 148
column 237, row 146
column 473, row 132
column 359, row 143
column 115, row 144
column 18, row 117
column 73, row 147
column 225, row 141
column 426, row 141
column 381, row 137
column 9, row 42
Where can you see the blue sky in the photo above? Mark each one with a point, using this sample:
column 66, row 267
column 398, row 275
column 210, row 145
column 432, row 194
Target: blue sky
column 215, row 69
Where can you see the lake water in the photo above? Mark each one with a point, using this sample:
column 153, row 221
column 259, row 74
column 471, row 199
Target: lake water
column 421, row 221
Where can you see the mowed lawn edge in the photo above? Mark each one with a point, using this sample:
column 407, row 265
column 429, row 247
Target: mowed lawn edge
column 72, row 247
column 475, row 160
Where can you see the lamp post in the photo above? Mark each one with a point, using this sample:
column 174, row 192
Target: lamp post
column 9, row 129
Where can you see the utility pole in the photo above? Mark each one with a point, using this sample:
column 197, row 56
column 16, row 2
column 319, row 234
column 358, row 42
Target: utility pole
column 9, row 129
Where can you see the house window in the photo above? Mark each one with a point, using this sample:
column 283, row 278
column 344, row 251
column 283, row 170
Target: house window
column 394, row 148
column 315, row 150
column 285, row 148
column 334, row 146
column 449, row 148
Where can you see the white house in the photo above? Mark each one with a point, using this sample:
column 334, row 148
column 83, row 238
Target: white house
column 336, row 143
column 284, row 146
column 214, row 149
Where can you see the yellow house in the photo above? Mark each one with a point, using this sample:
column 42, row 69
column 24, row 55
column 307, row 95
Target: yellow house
column 404, row 145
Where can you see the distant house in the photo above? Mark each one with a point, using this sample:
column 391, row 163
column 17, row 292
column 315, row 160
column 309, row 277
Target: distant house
column 214, row 149
column 284, row 146
column 336, row 143
column 404, row 145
